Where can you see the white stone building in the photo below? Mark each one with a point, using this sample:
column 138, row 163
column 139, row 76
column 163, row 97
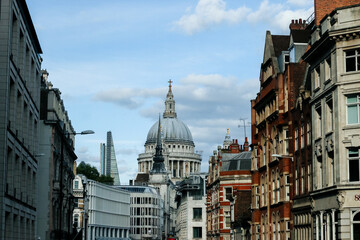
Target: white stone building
column 191, row 207
column 146, row 212
column 335, row 73
column 107, row 212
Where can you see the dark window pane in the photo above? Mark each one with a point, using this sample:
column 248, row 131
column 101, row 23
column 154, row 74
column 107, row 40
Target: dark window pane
column 356, row 228
column 357, row 217
column 197, row 232
column 354, row 170
column 350, row 53
column 353, row 152
column 350, row 64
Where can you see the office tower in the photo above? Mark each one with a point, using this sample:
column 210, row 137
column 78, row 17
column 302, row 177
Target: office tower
column 108, row 164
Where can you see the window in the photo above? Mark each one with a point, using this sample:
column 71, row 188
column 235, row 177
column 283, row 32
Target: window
column 329, row 114
column 287, row 188
column 264, row 155
column 308, row 133
column 318, row 126
column 317, row 78
column 302, row 135
column 356, row 226
column 197, row 232
column 303, row 180
column 76, row 221
column 273, row 188
column 197, row 213
column 227, row 219
column 353, row 156
column 296, row 139
column 257, row 197
column 352, row 60
column 328, row 69
column 228, row 193
column 286, row 141
column 353, row 109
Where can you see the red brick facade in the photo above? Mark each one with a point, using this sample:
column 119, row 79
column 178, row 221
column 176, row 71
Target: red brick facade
column 228, row 192
column 324, row 7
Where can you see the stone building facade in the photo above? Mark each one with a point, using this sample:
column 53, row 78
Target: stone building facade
column 56, row 168
column 335, row 106
column 108, row 212
column 229, row 178
column 146, row 212
column 191, row 207
column 20, row 75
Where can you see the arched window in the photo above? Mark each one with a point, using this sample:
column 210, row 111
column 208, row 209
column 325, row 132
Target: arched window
column 356, row 226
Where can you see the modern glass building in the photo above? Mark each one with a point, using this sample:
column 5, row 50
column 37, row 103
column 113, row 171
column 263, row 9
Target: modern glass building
column 108, row 164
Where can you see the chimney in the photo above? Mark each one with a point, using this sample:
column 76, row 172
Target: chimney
column 246, row 145
column 297, row 24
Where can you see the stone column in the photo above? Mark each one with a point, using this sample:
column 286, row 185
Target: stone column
column 317, row 226
column 321, row 225
column 328, row 234
column 172, row 168
column 183, row 167
column 333, row 224
column 178, row 169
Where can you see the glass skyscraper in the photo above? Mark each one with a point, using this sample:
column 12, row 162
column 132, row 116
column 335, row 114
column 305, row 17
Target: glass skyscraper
column 108, row 164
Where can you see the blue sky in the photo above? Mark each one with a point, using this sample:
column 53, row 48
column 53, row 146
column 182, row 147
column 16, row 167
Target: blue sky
column 112, row 60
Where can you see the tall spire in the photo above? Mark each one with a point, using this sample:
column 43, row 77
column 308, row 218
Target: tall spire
column 169, row 104
column 158, row 165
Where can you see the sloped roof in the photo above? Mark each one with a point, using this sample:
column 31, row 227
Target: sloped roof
column 281, row 43
column 237, row 161
column 300, row 36
column 142, row 178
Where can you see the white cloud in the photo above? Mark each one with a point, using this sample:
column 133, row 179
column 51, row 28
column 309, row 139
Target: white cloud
column 210, row 12
column 283, row 18
column 265, row 12
column 130, row 98
column 303, row 3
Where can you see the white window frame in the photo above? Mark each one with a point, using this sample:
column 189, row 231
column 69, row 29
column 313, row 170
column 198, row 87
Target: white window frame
column 357, row 104
column 357, row 54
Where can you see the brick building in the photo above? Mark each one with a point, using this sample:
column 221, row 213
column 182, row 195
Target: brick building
column 228, row 191
column 281, row 75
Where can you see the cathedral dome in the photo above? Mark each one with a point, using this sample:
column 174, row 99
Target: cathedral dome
column 172, row 129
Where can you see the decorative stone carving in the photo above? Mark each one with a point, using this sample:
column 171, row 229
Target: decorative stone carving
column 318, row 150
column 312, row 202
column 341, row 199
column 329, row 145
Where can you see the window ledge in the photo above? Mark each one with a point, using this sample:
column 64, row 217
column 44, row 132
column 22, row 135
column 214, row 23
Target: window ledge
column 350, row 73
column 316, row 89
column 327, row 81
column 351, row 126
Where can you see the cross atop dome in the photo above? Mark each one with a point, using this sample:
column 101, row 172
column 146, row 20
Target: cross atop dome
column 169, row 104
column 170, row 85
